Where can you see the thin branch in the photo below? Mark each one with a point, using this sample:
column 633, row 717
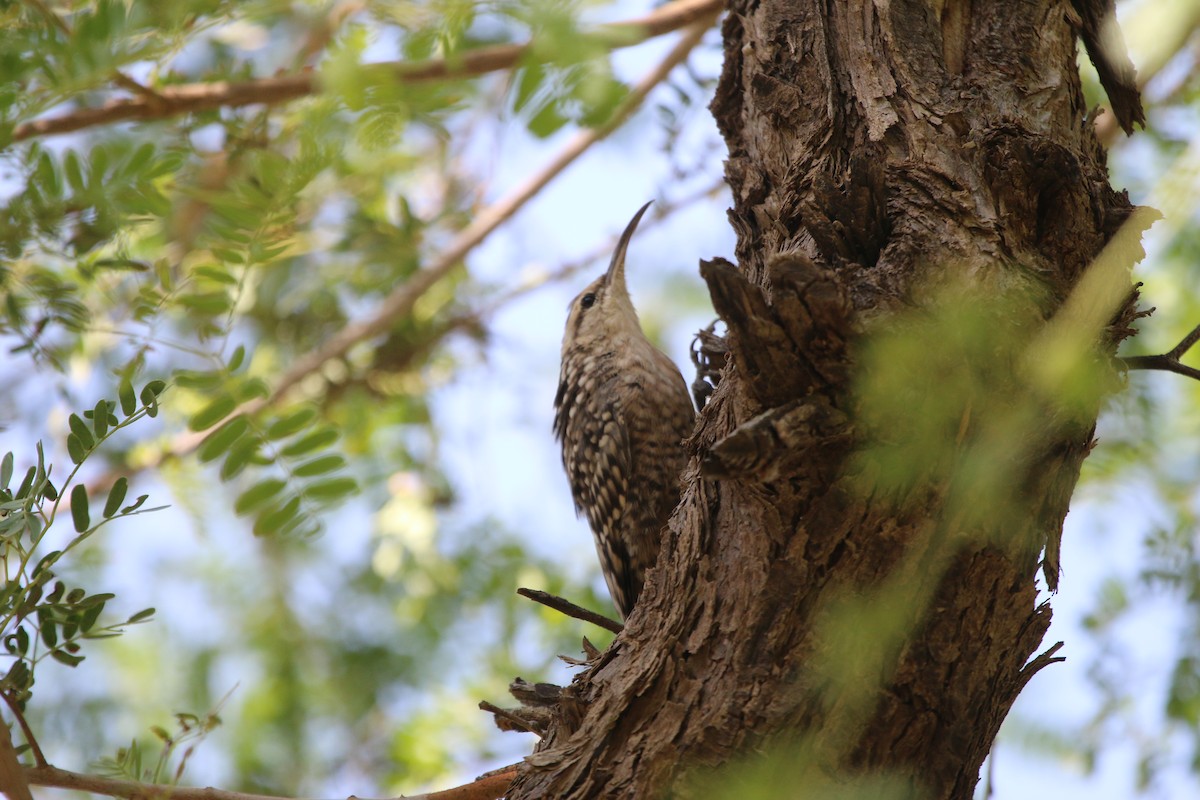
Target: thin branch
column 1039, row 663
column 570, row 609
column 400, row 301
column 1168, row 361
column 487, row 787
column 492, row 786
column 39, row 757
column 193, row 97
column 513, row 719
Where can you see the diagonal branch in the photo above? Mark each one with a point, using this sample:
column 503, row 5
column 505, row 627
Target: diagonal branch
column 400, row 301
column 1168, row 361
column 570, row 609
column 171, row 101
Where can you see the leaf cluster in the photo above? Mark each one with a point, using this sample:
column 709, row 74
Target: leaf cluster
column 40, row 615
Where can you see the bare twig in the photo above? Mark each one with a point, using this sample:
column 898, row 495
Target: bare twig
column 570, row 609
column 512, row 719
column 487, row 787
column 1039, row 663
column 1168, row 361
column 192, row 97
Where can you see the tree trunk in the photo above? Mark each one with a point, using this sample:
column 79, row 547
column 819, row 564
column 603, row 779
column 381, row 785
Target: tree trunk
column 823, row 615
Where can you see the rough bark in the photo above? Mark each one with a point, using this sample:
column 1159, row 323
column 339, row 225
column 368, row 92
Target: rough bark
column 877, row 151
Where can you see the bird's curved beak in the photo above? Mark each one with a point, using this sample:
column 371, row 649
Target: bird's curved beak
column 616, row 268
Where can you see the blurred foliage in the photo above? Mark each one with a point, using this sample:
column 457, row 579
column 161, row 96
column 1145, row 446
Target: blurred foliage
column 330, row 614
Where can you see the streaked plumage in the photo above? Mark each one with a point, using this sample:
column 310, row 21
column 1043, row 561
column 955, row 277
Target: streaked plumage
column 621, row 413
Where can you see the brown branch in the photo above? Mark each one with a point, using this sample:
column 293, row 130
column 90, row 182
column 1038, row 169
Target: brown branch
column 39, row 757
column 570, row 609
column 400, row 301
column 1168, row 361
column 13, row 782
column 512, row 719
column 491, row 786
column 193, row 97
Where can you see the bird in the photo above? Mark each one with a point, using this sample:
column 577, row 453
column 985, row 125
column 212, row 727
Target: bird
column 621, row 413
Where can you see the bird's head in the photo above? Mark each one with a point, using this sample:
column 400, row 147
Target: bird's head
column 602, row 314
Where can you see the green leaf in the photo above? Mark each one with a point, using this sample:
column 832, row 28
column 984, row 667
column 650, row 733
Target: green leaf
column 290, row 424
column 216, row 274
column 100, row 418
column 252, row 389
column 220, row 440
column 530, row 81
column 6, row 470
column 116, row 496
column 332, row 489
column 136, row 504
column 90, row 617
column 64, row 657
column 319, row 466
column 74, row 171
column 127, row 397
column 18, row 675
column 239, row 456
column 322, row 437
column 26, row 484
column 211, row 303
column 42, row 570
column 80, row 429
column 49, row 631
column 140, row 158
column 202, row 381
column 79, row 508
column 144, row 614
column 279, row 521
column 235, row 361
column 219, row 408
column 75, row 449
column 151, row 391
column 257, row 495
column 546, row 122
column 49, row 490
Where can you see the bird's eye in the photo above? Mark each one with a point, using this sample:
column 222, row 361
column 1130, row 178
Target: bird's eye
column 588, row 300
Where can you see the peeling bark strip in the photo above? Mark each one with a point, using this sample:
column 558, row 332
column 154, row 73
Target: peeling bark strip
column 811, row 611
